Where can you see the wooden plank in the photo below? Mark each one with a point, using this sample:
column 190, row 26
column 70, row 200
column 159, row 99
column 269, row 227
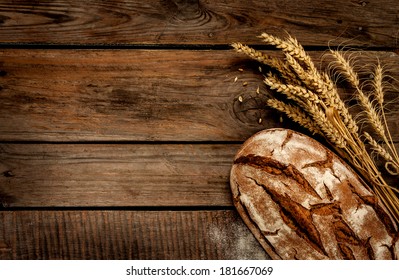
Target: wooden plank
column 74, row 95
column 198, row 22
column 115, row 175
column 126, row 235
column 98, row 175
column 139, row 95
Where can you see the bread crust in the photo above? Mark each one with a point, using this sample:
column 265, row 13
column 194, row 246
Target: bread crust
column 301, row 201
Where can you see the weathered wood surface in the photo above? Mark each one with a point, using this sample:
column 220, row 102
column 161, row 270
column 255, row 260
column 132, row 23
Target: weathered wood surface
column 75, row 95
column 191, row 22
column 138, row 95
column 33, row 175
column 120, row 175
column 126, row 235
column 130, row 108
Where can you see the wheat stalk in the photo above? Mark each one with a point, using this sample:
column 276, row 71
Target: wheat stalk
column 310, row 98
column 294, row 113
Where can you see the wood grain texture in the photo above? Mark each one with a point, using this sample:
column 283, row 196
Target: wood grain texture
column 138, row 95
column 73, row 95
column 66, row 92
column 33, row 175
column 98, row 175
column 189, row 22
column 126, row 235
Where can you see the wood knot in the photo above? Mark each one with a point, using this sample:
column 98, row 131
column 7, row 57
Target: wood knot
column 192, row 13
column 249, row 109
column 8, row 174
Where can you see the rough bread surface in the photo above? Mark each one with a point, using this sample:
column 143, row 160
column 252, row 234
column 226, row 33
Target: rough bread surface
column 303, row 202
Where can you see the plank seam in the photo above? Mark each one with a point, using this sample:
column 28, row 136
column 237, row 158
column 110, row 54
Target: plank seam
column 121, row 142
column 173, row 47
column 121, row 208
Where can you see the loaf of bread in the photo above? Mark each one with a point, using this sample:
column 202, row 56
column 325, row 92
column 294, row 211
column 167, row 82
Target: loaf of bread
column 301, row 201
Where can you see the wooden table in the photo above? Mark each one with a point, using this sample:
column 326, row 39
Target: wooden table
column 119, row 120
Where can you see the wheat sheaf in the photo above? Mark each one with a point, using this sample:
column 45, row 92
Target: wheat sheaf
column 310, row 97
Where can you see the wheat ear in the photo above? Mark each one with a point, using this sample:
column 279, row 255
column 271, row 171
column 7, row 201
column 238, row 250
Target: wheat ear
column 294, row 113
column 372, row 115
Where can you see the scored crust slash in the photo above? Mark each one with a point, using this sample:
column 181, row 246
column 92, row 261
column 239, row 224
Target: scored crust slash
column 301, row 201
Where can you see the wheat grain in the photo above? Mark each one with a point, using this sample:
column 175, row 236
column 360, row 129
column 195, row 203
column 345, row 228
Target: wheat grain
column 372, row 116
column 378, row 85
column 293, row 90
column 273, row 62
column 346, row 68
column 377, row 147
column 294, row 113
column 257, row 55
column 274, row 83
column 311, row 80
column 290, row 46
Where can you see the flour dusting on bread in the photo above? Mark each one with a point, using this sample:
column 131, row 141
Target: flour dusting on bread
column 302, row 202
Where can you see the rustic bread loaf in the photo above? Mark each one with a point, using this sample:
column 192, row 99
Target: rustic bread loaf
column 303, row 202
